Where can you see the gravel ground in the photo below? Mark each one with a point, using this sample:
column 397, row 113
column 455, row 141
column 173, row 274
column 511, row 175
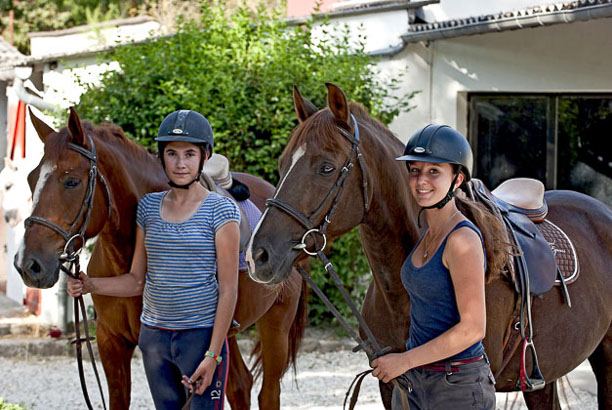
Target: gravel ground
column 322, row 380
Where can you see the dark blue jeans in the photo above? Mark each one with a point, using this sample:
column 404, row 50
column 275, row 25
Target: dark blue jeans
column 170, row 354
column 471, row 386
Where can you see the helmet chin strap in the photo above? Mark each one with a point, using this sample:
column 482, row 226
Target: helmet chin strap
column 185, row 186
column 439, row 205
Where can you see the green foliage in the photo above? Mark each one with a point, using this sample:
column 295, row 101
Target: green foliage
column 352, row 267
column 9, row 406
column 239, row 71
column 44, row 15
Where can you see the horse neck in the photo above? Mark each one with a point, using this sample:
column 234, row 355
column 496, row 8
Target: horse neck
column 389, row 229
column 130, row 172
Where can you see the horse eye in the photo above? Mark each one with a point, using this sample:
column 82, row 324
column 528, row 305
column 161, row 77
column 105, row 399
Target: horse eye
column 8, row 186
column 326, row 169
column 71, row 183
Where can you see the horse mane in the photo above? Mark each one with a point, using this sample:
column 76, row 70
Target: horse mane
column 111, row 135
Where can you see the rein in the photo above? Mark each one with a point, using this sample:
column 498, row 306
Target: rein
column 370, row 346
column 70, row 257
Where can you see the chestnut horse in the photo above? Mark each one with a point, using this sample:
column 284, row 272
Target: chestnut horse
column 59, row 186
column 376, row 197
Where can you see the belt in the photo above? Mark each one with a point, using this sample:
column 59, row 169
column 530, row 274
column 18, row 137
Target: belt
column 451, row 366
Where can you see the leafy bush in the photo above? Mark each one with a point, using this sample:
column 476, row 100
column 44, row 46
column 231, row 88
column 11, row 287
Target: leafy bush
column 239, row 71
column 9, row 406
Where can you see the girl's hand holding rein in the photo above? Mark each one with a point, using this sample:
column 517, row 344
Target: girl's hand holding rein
column 202, row 377
column 78, row 287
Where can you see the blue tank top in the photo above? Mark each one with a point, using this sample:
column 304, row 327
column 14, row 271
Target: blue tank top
column 433, row 306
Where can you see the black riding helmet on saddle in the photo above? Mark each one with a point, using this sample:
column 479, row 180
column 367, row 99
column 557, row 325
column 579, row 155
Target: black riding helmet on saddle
column 185, row 126
column 439, row 144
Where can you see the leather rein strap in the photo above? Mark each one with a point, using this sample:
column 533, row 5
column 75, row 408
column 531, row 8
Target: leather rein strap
column 370, row 346
column 70, row 257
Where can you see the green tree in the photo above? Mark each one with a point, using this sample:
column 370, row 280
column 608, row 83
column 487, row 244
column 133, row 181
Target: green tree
column 239, row 71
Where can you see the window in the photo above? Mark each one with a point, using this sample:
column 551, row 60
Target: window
column 564, row 140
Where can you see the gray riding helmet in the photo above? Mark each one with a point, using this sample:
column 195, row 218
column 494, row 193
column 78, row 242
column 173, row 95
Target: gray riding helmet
column 186, row 126
column 439, row 143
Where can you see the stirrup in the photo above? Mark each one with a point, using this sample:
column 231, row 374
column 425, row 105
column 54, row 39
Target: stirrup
column 535, row 381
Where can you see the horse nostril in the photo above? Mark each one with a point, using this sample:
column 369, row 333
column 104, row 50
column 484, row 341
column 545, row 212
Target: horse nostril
column 261, row 255
column 33, row 266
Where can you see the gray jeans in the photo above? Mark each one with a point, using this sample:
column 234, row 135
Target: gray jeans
column 469, row 386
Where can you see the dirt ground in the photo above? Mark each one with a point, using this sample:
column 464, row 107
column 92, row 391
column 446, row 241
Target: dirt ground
column 322, row 380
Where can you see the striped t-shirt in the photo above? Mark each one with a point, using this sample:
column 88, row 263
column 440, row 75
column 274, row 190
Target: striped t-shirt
column 181, row 288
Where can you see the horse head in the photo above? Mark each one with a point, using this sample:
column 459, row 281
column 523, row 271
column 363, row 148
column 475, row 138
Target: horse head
column 16, row 196
column 321, row 172
column 64, row 193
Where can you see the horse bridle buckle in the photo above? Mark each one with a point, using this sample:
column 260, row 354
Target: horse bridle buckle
column 302, row 245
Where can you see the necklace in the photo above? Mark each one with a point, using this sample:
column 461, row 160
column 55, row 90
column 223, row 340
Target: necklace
column 426, row 254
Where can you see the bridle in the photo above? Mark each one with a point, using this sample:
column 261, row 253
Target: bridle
column 370, row 346
column 72, row 234
column 70, row 257
column 333, row 195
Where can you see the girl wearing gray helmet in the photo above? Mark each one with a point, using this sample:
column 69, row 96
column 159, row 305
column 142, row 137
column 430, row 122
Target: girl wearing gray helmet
column 445, row 278
column 185, row 265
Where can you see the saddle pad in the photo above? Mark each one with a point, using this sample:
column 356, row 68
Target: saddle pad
column 563, row 250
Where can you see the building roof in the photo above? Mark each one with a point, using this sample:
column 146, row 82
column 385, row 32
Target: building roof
column 366, row 7
column 538, row 16
column 9, row 57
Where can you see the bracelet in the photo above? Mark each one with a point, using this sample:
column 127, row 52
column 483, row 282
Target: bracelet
column 214, row 356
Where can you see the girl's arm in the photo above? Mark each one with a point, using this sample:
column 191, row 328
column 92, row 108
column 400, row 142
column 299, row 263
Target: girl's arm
column 464, row 257
column 127, row 284
column 227, row 243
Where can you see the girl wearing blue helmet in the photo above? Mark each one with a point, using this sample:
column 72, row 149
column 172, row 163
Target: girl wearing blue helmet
column 185, row 265
column 445, row 277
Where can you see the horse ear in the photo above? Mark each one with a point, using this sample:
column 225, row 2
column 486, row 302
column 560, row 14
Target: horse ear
column 8, row 163
column 42, row 129
column 303, row 107
column 337, row 102
column 76, row 129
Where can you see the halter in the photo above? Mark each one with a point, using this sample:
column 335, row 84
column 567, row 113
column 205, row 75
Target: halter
column 71, row 257
column 370, row 346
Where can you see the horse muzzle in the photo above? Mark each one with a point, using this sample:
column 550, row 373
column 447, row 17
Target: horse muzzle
column 37, row 273
column 268, row 268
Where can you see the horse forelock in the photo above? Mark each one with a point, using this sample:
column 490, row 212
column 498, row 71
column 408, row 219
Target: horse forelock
column 318, row 133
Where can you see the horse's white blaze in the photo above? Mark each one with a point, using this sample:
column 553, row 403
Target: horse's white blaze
column 45, row 171
column 299, row 153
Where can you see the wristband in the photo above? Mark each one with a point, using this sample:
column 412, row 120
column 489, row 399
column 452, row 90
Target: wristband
column 214, row 356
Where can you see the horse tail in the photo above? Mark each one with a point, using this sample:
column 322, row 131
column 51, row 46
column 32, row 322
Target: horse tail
column 294, row 336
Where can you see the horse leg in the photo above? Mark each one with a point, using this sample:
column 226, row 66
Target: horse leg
column 239, row 379
column 274, row 330
column 116, row 354
column 545, row 399
column 601, row 363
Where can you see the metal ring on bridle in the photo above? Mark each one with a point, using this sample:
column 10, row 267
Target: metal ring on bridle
column 71, row 255
column 305, row 249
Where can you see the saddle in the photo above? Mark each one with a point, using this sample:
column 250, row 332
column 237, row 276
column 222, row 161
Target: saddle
column 544, row 253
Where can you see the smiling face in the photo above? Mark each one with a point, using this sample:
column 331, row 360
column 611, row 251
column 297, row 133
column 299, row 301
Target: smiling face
column 430, row 181
column 182, row 161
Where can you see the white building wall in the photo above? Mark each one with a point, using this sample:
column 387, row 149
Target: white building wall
column 76, row 40
column 560, row 58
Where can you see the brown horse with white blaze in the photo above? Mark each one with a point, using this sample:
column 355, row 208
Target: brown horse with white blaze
column 310, row 166
column 126, row 172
